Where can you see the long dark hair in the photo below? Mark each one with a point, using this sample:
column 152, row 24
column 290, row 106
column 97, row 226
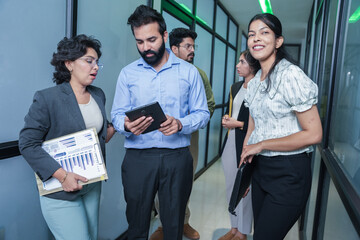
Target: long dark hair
column 253, row 63
column 275, row 25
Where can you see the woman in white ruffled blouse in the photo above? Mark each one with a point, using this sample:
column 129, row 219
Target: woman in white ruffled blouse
column 283, row 125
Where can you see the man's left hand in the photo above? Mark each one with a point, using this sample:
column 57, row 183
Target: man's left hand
column 170, row 126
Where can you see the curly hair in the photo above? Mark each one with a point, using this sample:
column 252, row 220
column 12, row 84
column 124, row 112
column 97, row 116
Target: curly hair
column 144, row 15
column 177, row 35
column 70, row 49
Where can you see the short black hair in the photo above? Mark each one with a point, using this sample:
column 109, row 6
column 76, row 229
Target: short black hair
column 178, row 34
column 144, row 15
column 70, row 49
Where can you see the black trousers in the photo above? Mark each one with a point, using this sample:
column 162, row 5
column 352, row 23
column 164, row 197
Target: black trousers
column 280, row 190
column 147, row 171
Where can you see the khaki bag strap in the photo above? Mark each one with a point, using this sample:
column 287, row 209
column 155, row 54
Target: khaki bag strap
column 230, row 107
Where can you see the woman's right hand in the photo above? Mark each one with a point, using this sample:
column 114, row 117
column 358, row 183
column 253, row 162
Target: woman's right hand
column 246, row 193
column 71, row 182
column 249, row 151
column 225, row 120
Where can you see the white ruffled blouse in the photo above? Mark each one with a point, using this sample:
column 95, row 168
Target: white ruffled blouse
column 273, row 111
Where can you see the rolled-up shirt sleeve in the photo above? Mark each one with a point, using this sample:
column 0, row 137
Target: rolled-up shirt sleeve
column 199, row 114
column 121, row 104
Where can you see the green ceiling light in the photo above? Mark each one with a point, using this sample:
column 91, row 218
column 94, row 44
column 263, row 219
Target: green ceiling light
column 356, row 16
column 201, row 20
column 185, row 8
column 265, row 6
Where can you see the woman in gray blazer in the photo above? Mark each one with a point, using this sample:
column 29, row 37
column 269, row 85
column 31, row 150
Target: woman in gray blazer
column 71, row 106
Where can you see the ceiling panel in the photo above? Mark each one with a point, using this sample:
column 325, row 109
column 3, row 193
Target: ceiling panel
column 293, row 14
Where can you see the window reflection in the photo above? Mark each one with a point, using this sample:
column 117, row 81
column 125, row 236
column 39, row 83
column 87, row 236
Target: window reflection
column 243, row 42
column 345, row 128
column 221, row 22
column 230, row 71
column 203, row 53
column 232, row 33
column 204, row 11
column 214, row 135
column 171, row 23
column 218, row 71
column 337, row 223
column 203, row 60
column 325, row 71
column 310, row 209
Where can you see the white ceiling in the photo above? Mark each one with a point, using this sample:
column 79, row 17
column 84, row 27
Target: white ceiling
column 293, row 14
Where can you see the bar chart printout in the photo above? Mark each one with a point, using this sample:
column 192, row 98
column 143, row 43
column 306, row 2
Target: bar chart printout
column 78, row 153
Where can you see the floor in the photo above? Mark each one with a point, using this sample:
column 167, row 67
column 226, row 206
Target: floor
column 208, row 205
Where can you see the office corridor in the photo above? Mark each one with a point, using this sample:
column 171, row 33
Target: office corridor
column 208, row 206
column 321, row 35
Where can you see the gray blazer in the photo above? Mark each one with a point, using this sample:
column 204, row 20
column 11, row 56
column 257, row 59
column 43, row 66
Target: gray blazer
column 54, row 113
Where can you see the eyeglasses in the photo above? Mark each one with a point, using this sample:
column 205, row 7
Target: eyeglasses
column 189, row 46
column 92, row 62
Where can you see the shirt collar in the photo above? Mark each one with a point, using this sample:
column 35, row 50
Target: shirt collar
column 276, row 77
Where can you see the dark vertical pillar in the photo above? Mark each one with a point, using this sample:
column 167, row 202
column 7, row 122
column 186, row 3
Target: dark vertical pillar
column 71, row 18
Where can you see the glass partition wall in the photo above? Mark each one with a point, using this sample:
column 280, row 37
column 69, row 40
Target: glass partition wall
column 27, row 45
column 33, row 30
column 333, row 210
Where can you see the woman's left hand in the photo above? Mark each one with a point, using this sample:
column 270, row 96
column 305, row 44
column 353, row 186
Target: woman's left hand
column 71, row 182
column 110, row 132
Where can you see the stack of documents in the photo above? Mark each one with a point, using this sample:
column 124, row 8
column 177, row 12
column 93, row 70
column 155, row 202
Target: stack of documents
column 79, row 153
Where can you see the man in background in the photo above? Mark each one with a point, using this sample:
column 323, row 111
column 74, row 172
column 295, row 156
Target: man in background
column 182, row 44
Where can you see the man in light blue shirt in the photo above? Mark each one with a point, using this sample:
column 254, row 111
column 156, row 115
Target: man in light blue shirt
column 158, row 161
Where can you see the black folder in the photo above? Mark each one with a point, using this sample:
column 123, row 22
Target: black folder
column 242, row 183
column 153, row 109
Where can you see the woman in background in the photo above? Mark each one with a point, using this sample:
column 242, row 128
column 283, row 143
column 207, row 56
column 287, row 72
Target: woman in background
column 71, row 106
column 236, row 121
column 283, row 124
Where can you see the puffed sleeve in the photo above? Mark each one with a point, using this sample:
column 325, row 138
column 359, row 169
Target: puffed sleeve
column 299, row 91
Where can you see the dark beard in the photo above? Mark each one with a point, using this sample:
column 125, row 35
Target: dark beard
column 191, row 61
column 156, row 57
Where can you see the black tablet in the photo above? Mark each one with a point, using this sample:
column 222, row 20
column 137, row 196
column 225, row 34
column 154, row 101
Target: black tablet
column 153, row 109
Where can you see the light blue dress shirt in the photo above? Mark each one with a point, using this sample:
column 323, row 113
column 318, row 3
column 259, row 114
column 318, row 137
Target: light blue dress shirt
column 179, row 90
